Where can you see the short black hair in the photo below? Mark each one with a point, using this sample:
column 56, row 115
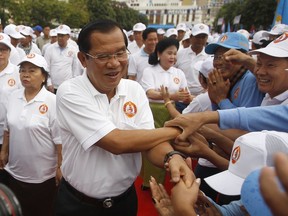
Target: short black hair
column 160, row 47
column 103, row 26
column 147, row 31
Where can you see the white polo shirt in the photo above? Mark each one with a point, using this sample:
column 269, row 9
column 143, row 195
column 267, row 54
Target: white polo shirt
column 9, row 82
column 279, row 99
column 137, row 63
column 85, row 116
column 63, row 63
column 133, row 47
column 155, row 76
column 33, row 132
column 186, row 60
column 200, row 103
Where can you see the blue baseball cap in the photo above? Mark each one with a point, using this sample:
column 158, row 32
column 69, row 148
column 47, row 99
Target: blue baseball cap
column 38, row 28
column 230, row 40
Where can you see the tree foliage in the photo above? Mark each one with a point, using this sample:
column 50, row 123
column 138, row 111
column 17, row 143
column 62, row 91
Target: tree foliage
column 256, row 13
column 75, row 13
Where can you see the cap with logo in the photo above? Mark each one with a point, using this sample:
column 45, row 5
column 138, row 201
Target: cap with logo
column 200, row 28
column 230, row 40
column 53, row 33
column 35, row 59
column 63, row 29
column 5, row 39
column 205, row 66
column 250, row 152
column 181, row 27
column 139, row 27
column 170, row 32
column 160, row 31
column 260, row 36
column 278, row 29
column 250, row 192
column 13, row 31
column 26, row 31
column 277, row 48
column 244, row 32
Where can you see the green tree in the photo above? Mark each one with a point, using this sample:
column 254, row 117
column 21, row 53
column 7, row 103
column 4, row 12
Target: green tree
column 100, row 9
column 257, row 13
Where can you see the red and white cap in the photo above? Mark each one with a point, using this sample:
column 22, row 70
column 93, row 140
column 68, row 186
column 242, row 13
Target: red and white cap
column 35, row 59
column 250, row 152
column 13, row 31
column 5, row 39
column 200, row 28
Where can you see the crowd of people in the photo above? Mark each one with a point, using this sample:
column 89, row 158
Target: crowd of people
column 80, row 121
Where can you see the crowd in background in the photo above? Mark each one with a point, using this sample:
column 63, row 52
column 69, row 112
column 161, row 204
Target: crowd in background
column 228, row 94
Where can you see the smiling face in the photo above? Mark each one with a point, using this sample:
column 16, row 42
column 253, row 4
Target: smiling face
column 168, row 57
column 272, row 78
column 227, row 69
column 105, row 77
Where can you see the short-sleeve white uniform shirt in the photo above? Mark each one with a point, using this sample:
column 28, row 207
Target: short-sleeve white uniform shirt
column 85, row 116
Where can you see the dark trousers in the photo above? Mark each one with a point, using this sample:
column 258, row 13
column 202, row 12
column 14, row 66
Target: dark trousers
column 68, row 204
column 34, row 199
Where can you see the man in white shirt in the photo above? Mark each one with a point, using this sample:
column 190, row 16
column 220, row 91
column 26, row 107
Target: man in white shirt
column 26, row 43
column 62, row 60
column 137, row 44
column 139, row 60
column 187, row 58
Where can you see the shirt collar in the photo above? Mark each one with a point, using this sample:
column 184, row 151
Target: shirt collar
column 39, row 97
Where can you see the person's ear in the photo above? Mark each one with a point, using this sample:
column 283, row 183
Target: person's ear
column 82, row 58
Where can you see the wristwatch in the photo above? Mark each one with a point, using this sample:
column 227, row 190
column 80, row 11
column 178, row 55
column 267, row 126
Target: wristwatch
column 169, row 155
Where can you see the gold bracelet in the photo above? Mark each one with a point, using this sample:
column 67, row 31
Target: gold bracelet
column 168, row 102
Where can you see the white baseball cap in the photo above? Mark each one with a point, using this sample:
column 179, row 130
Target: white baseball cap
column 63, row 29
column 53, row 33
column 35, row 59
column 277, row 48
column 160, row 31
column 200, row 28
column 250, row 152
column 181, row 27
column 139, row 27
column 187, row 35
column 26, row 31
column 244, row 32
column 170, row 32
column 260, row 36
column 278, row 29
column 129, row 33
column 13, row 31
column 205, row 66
column 5, row 39
column 250, row 192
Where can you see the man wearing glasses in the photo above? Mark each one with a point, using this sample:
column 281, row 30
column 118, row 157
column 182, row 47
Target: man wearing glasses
column 105, row 124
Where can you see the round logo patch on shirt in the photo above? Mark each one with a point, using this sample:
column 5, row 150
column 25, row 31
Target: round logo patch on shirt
column 31, row 55
column 43, row 109
column 235, row 154
column 11, row 82
column 130, row 109
column 176, row 80
column 236, row 93
column 70, row 53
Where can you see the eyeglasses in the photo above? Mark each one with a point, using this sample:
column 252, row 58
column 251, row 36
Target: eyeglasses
column 3, row 50
column 104, row 58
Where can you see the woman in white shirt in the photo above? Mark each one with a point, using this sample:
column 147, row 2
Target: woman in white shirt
column 162, row 73
column 31, row 151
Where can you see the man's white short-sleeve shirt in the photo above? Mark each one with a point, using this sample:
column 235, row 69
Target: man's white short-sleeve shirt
column 85, row 116
column 186, row 59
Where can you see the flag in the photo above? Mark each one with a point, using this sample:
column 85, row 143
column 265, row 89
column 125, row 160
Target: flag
column 281, row 14
column 223, row 27
column 237, row 19
column 228, row 27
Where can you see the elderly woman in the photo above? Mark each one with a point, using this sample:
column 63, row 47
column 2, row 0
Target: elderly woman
column 9, row 78
column 163, row 73
column 31, row 152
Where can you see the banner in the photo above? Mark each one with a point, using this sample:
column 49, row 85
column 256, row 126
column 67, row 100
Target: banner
column 237, row 19
column 281, row 14
column 220, row 21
